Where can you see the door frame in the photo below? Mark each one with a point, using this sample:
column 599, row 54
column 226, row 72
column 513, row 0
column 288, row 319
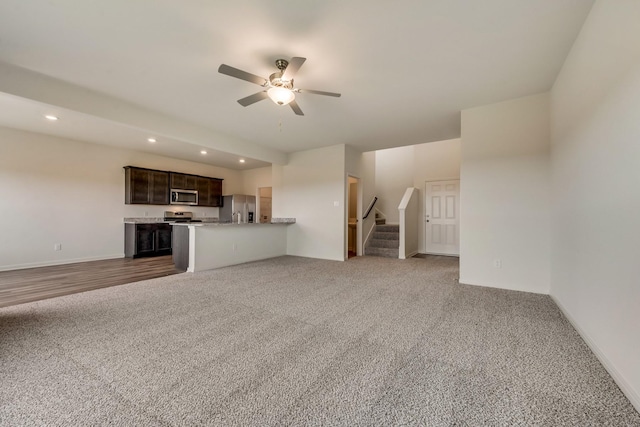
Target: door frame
column 358, row 215
column 258, row 214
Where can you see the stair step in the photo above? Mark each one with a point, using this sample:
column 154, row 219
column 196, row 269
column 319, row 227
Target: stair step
column 383, row 243
column 388, row 228
column 380, row 221
column 382, row 252
column 385, row 236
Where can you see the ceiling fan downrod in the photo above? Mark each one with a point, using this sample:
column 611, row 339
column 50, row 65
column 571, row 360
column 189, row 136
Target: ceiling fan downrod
column 282, row 64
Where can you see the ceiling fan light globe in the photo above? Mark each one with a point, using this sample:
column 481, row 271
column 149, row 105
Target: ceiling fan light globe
column 280, row 95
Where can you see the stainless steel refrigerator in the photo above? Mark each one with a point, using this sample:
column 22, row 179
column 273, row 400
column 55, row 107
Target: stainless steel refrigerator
column 238, row 204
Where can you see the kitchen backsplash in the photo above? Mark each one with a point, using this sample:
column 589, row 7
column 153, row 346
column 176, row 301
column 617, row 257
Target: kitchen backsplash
column 151, row 211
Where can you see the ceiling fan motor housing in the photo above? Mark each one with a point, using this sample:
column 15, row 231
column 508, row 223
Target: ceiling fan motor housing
column 275, row 80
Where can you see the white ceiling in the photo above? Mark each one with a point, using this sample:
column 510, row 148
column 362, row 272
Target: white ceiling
column 405, row 69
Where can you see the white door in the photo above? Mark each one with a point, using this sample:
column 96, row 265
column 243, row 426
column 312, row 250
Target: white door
column 442, row 217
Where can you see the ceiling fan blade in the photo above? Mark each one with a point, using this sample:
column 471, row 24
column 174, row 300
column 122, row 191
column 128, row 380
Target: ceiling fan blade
column 296, row 108
column 319, row 92
column 251, row 99
column 243, row 75
column 293, row 67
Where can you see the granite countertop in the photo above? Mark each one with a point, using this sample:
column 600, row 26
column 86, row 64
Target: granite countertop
column 161, row 220
column 283, row 220
column 204, row 221
column 278, row 221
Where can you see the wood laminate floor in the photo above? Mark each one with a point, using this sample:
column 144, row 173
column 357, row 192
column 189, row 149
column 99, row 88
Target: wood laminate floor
column 33, row 284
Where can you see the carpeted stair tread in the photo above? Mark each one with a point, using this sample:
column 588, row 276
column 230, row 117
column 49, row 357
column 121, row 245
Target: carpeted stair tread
column 385, row 236
column 388, row 228
column 384, row 242
column 383, row 252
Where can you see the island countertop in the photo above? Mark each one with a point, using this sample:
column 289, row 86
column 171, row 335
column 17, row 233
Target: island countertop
column 202, row 221
column 204, row 246
column 274, row 221
column 161, row 220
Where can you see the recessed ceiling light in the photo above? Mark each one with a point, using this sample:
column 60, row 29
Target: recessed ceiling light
column 50, row 117
column 242, row 160
column 151, row 140
column 203, row 152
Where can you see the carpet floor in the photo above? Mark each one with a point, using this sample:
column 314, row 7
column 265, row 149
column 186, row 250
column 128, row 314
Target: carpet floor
column 302, row 342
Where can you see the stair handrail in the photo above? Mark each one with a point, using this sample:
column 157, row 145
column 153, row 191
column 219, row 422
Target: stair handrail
column 373, row 202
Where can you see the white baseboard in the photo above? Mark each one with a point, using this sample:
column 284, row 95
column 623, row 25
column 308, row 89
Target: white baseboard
column 436, row 253
column 627, row 389
column 410, row 255
column 474, row 283
column 58, row 262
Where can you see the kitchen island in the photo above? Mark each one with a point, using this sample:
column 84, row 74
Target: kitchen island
column 205, row 246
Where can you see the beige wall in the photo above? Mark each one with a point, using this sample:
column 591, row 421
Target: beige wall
column 368, row 190
column 312, row 189
column 56, row 190
column 434, row 161
column 596, row 188
column 505, row 195
column 397, row 169
column 253, row 179
column 394, row 174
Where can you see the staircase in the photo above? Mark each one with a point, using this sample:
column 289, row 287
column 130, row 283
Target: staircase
column 385, row 241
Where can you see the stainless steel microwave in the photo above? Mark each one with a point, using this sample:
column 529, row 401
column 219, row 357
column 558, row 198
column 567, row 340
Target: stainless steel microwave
column 184, row 197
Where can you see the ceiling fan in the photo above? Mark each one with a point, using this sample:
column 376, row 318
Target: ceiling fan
column 279, row 86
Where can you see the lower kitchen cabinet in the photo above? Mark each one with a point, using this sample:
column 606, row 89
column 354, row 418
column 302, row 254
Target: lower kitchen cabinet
column 146, row 240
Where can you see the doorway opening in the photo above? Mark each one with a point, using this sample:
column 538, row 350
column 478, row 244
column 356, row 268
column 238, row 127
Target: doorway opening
column 352, row 217
column 264, row 204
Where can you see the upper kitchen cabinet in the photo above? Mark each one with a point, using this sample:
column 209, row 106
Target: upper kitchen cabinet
column 181, row 181
column 146, row 186
column 216, row 192
column 209, row 191
column 152, row 187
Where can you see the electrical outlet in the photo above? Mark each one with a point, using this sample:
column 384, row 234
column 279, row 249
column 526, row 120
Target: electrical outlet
column 57, row 247
column 497, row 263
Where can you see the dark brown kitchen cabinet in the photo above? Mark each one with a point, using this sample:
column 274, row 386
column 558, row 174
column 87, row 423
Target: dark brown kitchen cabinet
column 152, row 187
column 146, row 186
column 203, row 185
column 209, row 191
column 146, row 240
column 216, row 192
column 182, row 181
